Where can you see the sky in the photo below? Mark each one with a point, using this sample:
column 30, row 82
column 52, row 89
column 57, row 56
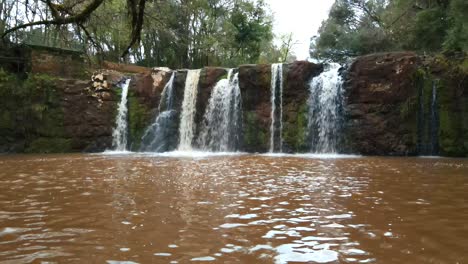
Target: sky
column 300, row 17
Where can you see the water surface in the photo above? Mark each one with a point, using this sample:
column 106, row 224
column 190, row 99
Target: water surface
column 132, row 208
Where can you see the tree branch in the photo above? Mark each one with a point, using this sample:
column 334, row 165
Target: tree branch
column 78, row 18
column 137, row 24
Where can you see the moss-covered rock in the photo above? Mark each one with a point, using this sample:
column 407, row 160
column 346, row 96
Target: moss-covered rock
column 255, row 138
column 139, row 117
column 31, row 109
column 49, row 145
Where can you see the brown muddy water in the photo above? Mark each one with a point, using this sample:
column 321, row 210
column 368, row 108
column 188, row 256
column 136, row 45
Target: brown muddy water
column 232, row 209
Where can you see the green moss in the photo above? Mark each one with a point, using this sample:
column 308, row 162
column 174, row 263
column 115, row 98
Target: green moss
column 255, row 138
column 452, row 100
column 49, row 145
column 410, row 110
column 6, row 121
column 451, row 122
column 31, row 112
column 139, row 116
column 464, row 66
column 224, row 76
column 295, row 131
column 450, row 138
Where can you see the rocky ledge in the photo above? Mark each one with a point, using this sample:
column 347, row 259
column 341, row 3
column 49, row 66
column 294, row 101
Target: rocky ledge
column 389, row 106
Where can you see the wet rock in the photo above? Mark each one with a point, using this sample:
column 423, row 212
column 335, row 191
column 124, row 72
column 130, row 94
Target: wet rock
column 378, row 87
column 209, row 76
column 295, row 111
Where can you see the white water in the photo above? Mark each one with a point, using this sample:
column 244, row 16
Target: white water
column 434, row 122
column 276, row 94
column 221, row 126
column 119, row 135
column 312, row 155
column 187, row 124
column 157, row 136
column 325, row 107
column 167, row 95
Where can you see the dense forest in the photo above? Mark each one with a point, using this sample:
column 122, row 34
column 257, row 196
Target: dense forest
column 358, row 27
column 197, row 33
column 173, row 33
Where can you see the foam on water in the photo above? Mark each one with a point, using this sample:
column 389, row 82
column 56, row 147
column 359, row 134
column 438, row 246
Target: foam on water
column 195, row 154
column 297, row 253
column 116, row 152
column 312, row 155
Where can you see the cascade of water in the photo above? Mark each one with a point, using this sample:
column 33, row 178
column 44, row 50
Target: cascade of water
column 428, row 121
column 420, row 131
column 222, row 120
column 167, row 96
column 325, row 110
column 276, row 127
column 434, row 122
column 119, row 135
column 187, row 124
column 157, row 137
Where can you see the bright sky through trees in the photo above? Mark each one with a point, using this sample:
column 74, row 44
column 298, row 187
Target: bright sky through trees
column 300, row 17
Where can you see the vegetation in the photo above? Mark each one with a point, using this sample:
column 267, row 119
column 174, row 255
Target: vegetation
column 31, row 116
column 357, row 27
column 174, row 33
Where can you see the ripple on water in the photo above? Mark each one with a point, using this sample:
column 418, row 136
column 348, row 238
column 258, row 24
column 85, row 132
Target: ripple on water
column 297, row 253
column 231, row 225
column 239, row 209
column 121, row 262
column 207, row 258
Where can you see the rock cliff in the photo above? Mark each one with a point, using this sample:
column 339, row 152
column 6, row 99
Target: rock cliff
column 395, row 104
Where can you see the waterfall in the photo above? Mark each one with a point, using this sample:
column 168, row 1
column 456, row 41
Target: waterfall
column 222, row 121
column 157, row 137
column 434, row 125
column 428, row 119
column 276, row 127
column 119, row 135
column 187, row 124
column 420, row 132
column 325, row 105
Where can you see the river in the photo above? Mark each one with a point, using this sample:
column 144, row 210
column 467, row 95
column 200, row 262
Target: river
column 172, row 208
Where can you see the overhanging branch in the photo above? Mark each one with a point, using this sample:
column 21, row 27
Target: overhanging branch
column 78, row 18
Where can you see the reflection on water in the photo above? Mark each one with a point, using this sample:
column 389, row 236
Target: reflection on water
column 169, row 208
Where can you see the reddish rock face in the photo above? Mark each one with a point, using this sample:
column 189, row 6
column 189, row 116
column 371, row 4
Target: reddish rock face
column 148, row 87
column 254, row 83
column 295, row 95
column 125, row 68
column 382, row 78
column 56, row 62
column 87, row 122
column 377, row 88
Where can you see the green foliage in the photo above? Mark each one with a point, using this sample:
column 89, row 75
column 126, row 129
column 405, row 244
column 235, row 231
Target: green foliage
column 457, row 34
column 177, row 34
column 197, row 33
column 138, row 120
column 31, row 112
column 254, row 136
column 295, row 131
column 360, row 27
column 430, row 29
column 49, row 145
column 453, row 124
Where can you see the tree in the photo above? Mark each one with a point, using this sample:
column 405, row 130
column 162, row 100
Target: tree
column 357, row 27
column 175, row 33
column 287, row 44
